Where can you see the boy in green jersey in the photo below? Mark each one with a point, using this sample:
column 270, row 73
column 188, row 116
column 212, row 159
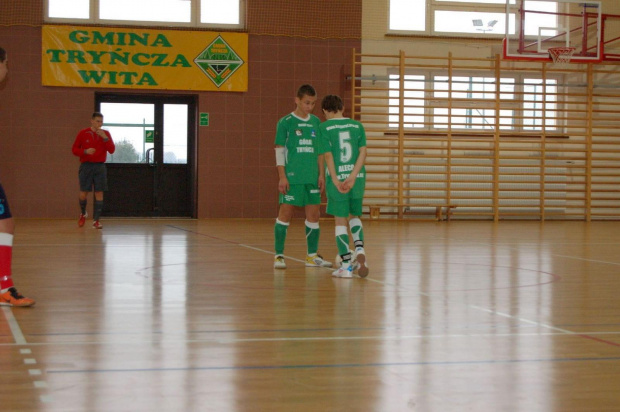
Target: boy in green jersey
column 301, row 175
column 343, row 142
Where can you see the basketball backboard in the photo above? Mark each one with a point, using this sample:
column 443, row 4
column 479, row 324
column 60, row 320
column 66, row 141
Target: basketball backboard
column 534, row 26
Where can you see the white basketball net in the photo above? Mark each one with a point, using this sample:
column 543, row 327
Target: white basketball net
column 561, row 55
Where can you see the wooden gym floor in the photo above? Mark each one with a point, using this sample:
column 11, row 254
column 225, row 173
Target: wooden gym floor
column 186, row 315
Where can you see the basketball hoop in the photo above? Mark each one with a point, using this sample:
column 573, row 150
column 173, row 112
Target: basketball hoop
column 561, row 55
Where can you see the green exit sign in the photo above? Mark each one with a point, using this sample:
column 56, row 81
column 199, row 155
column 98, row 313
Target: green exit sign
column 149, row 136
column 204, row 119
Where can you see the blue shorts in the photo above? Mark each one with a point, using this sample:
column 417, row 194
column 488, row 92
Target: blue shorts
column 5, row 212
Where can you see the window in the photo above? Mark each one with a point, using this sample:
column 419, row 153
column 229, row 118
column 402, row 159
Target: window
column 477, row 92
column 413, row 102
column 533, row 115
column 473, row 17
column 169, row 11
column 69, row 9
column 526, row 103
column 196, row 13
column 470, row 22
column 408, row 15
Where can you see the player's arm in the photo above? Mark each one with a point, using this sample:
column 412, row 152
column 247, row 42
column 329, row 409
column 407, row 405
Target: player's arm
column 283, row 185
column 78, row 149
column 331, row 167
column 361, row 159
column 109, row 143
column 321, row 162
column 280, row 149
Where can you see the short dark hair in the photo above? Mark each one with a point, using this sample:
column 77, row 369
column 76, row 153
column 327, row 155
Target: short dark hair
column 97, row 114
column 2, row 55
column 332, row 103
column 305, row 90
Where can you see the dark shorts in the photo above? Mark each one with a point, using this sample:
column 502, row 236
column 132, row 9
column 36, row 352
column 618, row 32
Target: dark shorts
column 5, row 212
column 93, row 175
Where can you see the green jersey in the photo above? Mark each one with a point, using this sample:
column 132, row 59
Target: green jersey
column 343, row 137
column 300, row 138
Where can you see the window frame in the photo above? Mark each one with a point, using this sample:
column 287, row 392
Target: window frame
column 432, row 6
column 194, row 22
column 520, row 82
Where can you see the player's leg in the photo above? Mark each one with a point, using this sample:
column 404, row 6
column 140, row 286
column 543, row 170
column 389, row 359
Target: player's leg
column 8, row 294
column 357, row 232
column 342, row 241
column 285, row 214
column 86, row 185
column 97, row 209
column 83, row 213
column 288, row 203
column 313, row 229
column 340, row 211
column 100, row 182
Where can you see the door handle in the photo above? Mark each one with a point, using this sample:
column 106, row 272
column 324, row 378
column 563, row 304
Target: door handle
column 148, row 157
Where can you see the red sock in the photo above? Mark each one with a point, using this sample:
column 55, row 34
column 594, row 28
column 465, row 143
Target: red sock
column 6, row 254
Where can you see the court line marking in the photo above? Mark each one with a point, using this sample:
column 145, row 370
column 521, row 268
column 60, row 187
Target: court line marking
column 523, row 320
column 544, row 325
column 18, row 336
column 227, row 341
column 336, row 365
column 20, row 340
column 587, row 260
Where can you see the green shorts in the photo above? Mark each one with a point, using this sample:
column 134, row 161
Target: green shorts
column 344, row 208
column 302, row 195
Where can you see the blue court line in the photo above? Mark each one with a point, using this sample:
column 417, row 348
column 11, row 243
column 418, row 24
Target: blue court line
column 341, row 365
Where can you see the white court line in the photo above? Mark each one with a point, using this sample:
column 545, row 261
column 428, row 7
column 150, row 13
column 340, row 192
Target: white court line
column 46, row 398
column 587, row 260
column 18, row 336
column 270, row 253
column 531, row 322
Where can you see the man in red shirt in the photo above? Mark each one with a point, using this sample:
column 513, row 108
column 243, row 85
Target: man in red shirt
column 8, row 294
column 92, row 146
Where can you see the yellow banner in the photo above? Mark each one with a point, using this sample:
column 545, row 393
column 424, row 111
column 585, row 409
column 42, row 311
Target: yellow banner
column 144, row 59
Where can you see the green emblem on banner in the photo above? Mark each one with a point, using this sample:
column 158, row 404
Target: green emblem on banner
column 218, row 61
column 149, row 136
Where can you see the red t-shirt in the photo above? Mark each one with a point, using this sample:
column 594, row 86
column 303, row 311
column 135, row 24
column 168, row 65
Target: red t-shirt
column 86, row 139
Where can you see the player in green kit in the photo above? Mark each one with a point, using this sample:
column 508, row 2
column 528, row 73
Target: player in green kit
column 301, row 175
column 343, row 141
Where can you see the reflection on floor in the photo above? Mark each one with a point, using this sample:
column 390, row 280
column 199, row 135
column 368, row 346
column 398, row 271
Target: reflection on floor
column 170, row 315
